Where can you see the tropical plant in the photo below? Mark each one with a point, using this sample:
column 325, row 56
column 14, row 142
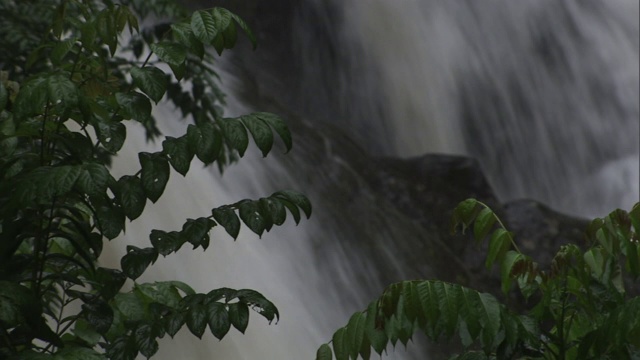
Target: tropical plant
column 579, row 308
column 73, row 71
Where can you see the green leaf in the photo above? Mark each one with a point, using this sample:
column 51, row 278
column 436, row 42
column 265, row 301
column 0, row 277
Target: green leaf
column 166, row 243
column 246, row 29
column 61, row 49
column 196, row 231
column 219, row 322
column 226, row 217
column 203, row 26
column 197, row 319
column 204, row 141
column 430, row 307
column 250, row 215
column 32, row 97
column 355, row 333
column 279, row 126
column 145, row 339
column 111, row 220
column 122, row 348
column 64, row 90
column 46, row 182
column 72, row 352
column 218, row 43
column 151, row 80
column 324, row 353
column 259, row 303
column 260, row 131
column 136, row 261
column 230, row 36
column 510, row 259
column 178, row 153
column 236, row 134
column 4, row 97
column 373, row 332
column 131, row 196
column 465, row 213
column 109, row 282
column 489, row 313
column 498, row 246
column 340, row 348
column 447, row 295
column 170, row 52
column 86, row 332
column 155, row 174
column 183, row 34
column 274, row 209
column 92, row 179
column 239, row 316
column 58, row 20
column 222, row 17
column 297, row 199
column 483, row 224
column 135, row 106
column 111, row 135
column 99, row 315
column 174, row 323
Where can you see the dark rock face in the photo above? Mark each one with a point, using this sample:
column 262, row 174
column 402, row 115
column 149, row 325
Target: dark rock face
column 425, row 188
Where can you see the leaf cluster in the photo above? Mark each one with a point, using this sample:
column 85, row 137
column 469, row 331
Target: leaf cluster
column 73, row 74
column 578, row 308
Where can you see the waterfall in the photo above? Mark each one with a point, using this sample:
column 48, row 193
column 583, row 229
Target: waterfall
column 543, row 93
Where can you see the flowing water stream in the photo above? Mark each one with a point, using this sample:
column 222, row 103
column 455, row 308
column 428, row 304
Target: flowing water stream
column 543, row 93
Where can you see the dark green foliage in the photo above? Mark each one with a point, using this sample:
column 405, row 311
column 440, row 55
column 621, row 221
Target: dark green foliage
column 579, row 308
column 72, row 74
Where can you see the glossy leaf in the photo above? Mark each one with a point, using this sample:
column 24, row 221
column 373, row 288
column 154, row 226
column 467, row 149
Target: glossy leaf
column 261, row 133
column 99, row 315
column 32, row 97
column 170, row 52
column 236, row 134
column 145, row 339
column 219, row 322
column 196, row 231
column 62, row 90
column 203, row 26
column 228, row 219
column 166, row 242
column 250, row 215
column 178, row 153
column 155, row 174
column 111, row 135
column 93, row 179
column 205, row 141
column 136, row 261
column 197, row 319
column 174, row 323
column 151, row 80
column 239, row 316
column 132, row 196
column 297, row 199
column 277, row 124
column 135, row 106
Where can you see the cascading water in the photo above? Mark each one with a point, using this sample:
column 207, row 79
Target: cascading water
column 544, row 93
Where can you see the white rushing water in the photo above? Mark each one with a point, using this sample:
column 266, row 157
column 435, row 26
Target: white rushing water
column 544, row 93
